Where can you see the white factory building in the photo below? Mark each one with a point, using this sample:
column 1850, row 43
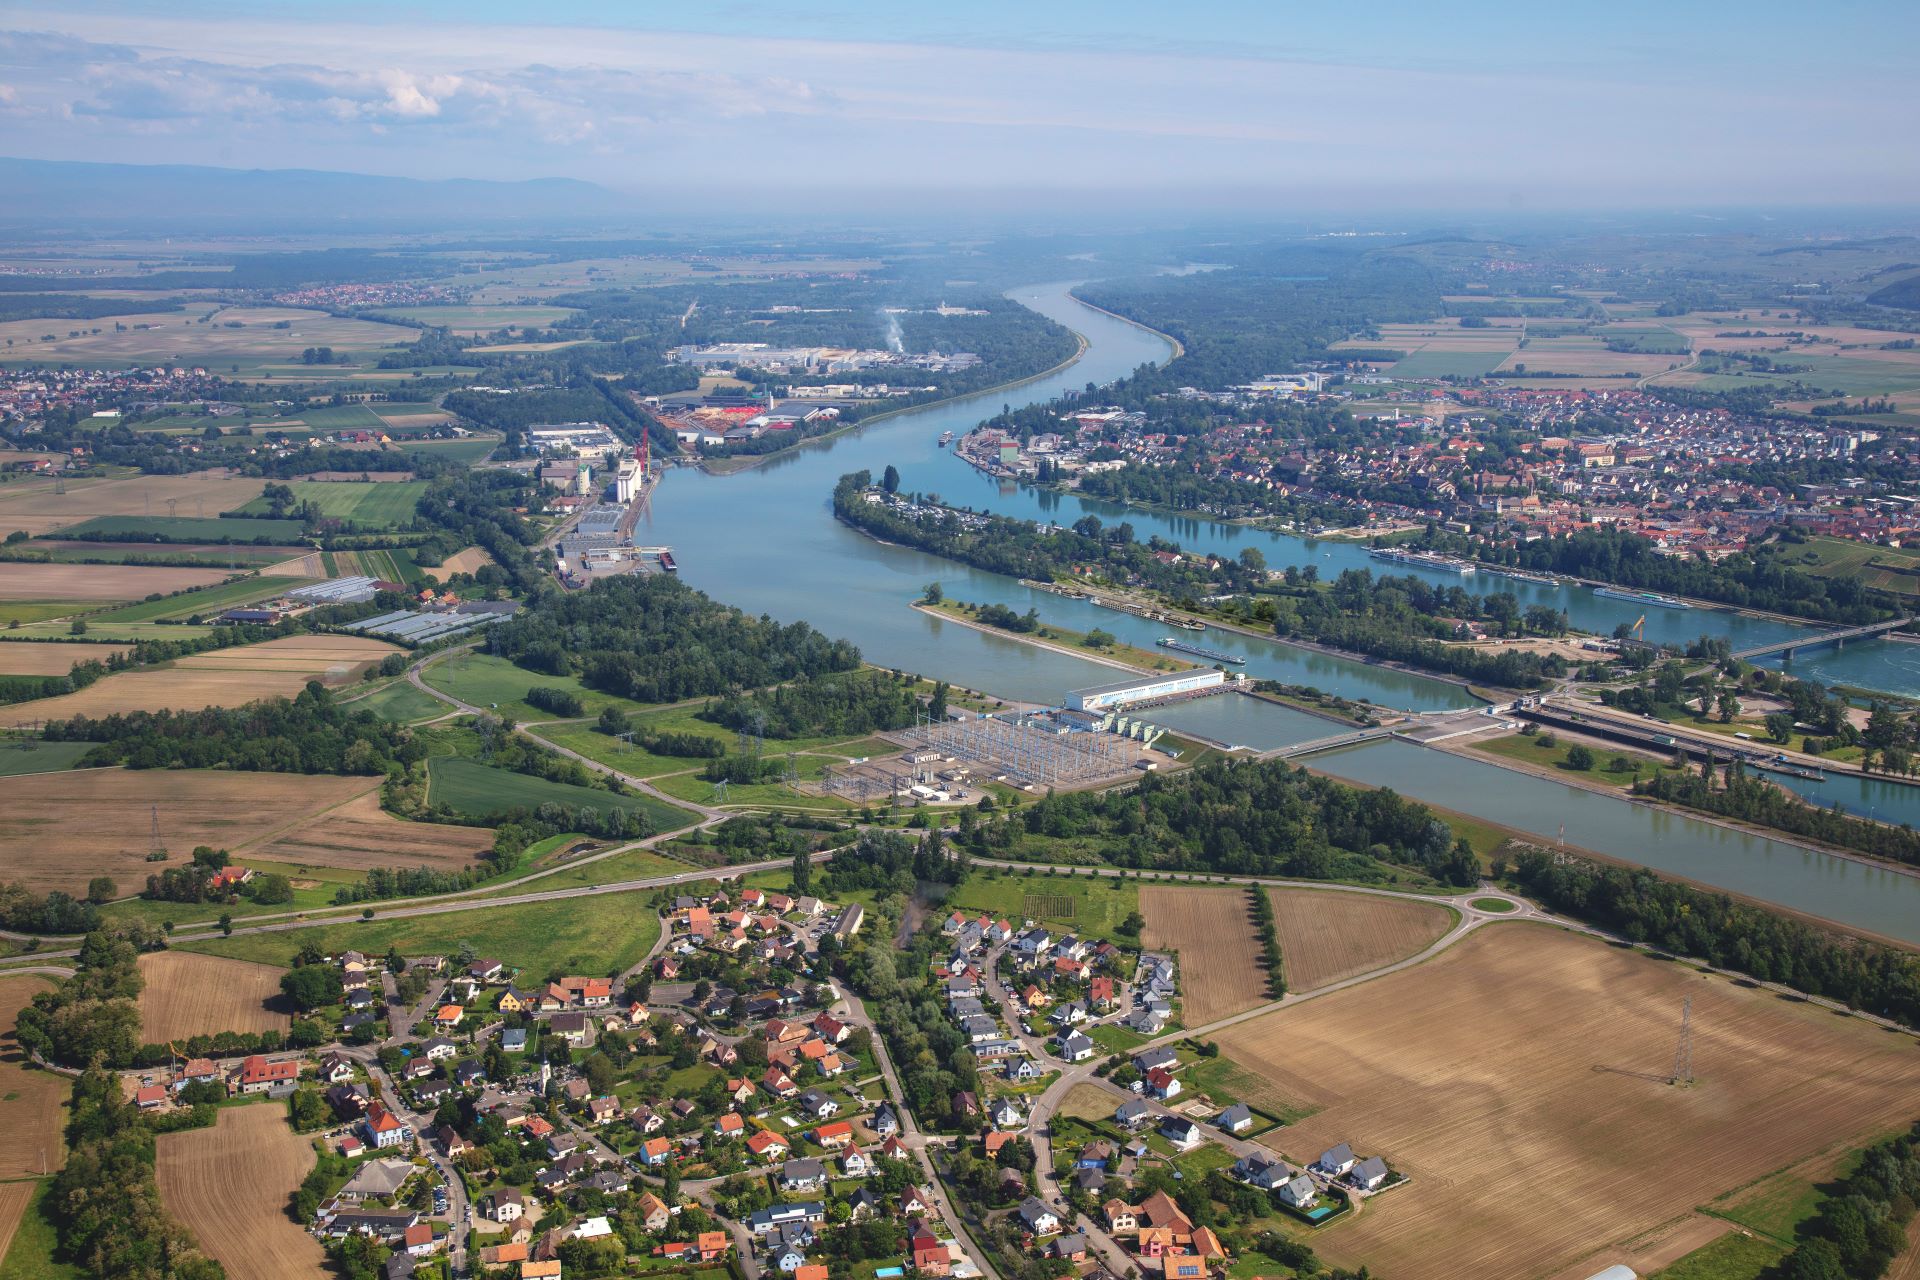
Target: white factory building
column 1103, row 697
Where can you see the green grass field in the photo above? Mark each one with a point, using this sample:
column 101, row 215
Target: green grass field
column 212, row 599
column 385, row 504
column 1090, row 905
column 97, row 630
column 24, row 755
column 186, row 529
column 1732, row 1257
column 495, row 683
column 401, row 703
column 604, row 933
column 319, row 897
column 479, row 790
column 1527, row 749
column 238, row 556
column 1440, row 364
column 30, row 1256
column 463, row 452
column 481, row 319
column 26, row 611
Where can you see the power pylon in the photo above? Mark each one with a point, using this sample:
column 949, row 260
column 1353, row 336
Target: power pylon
column 154, row 845
column 1683, row 1053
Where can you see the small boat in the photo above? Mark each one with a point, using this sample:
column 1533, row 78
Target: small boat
column 946, row 438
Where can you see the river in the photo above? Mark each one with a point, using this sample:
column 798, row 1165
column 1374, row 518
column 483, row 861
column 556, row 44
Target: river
column 766, row 540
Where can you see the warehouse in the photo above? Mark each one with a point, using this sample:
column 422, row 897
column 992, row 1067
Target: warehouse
column 1102, row 697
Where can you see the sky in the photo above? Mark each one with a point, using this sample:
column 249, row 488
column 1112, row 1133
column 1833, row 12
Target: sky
column 1626, row 104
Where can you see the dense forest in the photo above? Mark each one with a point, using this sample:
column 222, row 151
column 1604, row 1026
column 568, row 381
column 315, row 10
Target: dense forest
column 1641, row 906
column 652, row 639
column 836, row 705
column 310, row 733
column 1253, row 818
column 1759, row 580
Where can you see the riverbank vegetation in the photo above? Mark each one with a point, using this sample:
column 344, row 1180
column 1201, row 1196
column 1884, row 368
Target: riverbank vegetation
column 1746, row 798
column 1643, row 907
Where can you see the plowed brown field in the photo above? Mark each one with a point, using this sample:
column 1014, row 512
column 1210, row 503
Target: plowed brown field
column 14, row 1199
column 1326, row 936
column 32, row 1114
column 21, row 580
column 52, row 657
column 59, row 829
column 192, row 995
column 360, row 834
column 1519, row 1079
column 34, row 506
column 229, row 1186
column 1210, row 930
column 222, row 678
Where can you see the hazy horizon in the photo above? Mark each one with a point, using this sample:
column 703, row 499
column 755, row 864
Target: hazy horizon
column 1223, row 109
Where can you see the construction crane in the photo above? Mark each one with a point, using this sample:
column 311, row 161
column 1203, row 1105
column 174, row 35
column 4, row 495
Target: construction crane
column 1639, row 629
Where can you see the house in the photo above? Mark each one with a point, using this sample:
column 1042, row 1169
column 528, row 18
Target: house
column 1180, row 1131
column 513, row 1000
column 1133, row 1113
column 925, row 1253
column 258, row 1074
column 514, row 1039
column 803, row 1175
column 1237, row 1118
column 151, row 1097
column 1299, row 1192
column 1163, row 1084
column 384, row 1129
column 1006, row 1114
column 500, row 1255
column 376, row 1180
column 1091, row 1181
column 788, row 1257
column 448, row 1016
column 349, row 1101
column 855, row 1163
column 779, row 1083
column 885, row 1123
column 1121, row 1216
column 831, row 1029
column 915, row 1201
column 438, row 1049
column 894, row 1149
column 1073, row 1248
column 1095, row 1155
column 1100, row 992
column 603, row 1110
column 450, row 1140
column 1261, row 1173
column 834, row 1136
column 549, row 1269
column 467, row 1074
column 764, row 1222
column 1207, row 1244
column 335, row 1068
column 646, row 1120
column 863, row 1204
column 1369, row 1174
column 1161, row 1210
column 1183, row 1266
column 380, row 1224
column 655, row 1151
column 730, row 1125
column 573, row 1027
column 1155, row 1060
column 1335, row 1161
column 818, row 1105
column 653, row 1212
column 767, row 1145
column 1021, row 1069
column 505, row 1205
column 1040, row 1220
column 1075, row 1047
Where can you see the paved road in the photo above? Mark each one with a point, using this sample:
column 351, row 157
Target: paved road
column 458, row 1225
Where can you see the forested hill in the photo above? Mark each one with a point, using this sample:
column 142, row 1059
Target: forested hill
column 654, row 639
column 1265, row 315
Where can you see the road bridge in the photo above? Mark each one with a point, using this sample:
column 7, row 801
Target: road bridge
column 1838, row 639
column 1329, row 743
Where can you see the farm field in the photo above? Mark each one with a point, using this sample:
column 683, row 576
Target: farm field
column 1518, row 1079
column 1328, row 936
column 97, row 583
column 256, row 346
column 1873, row 566
column 470, row 560
column 15, row 1198
column 402, row 702
column 602, row 933
column 230, row 556
column 29, row 755
column 229, row 1186
column 478, row 790
column 483, row 319
column 462, row 452
column 62, row 828
column 34, row 506
column 32, row 1101
column 1587, row 353
column 361, row 835
column 482, row 680
column 1211, row 932
column 1437, row 348
column 1733, row 1256
column 386, row 565
column 379, row 503
column 220, row 678
column 238, row 531
column 188, row 995
column 51, row 657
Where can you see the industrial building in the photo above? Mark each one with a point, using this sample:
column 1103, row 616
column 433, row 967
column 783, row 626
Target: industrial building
column 1102, row 697
column 581, row 437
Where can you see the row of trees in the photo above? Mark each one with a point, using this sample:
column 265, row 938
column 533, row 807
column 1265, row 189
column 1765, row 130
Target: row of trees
column 1751, row 799
column 1260, row 907
column 1639, row 905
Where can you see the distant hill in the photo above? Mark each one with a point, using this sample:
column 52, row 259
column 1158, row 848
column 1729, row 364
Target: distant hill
column 1901, row 293
column 56, row 191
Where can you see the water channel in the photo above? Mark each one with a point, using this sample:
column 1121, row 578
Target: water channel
column 766, row 541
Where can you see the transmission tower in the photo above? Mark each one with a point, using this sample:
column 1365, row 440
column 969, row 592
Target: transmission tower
column 1683, row 1053
column 792, row 773
column 171, row 504
column 154, row 845
column 720, row 791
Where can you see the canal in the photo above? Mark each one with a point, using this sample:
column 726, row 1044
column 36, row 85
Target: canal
column 766, row 541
